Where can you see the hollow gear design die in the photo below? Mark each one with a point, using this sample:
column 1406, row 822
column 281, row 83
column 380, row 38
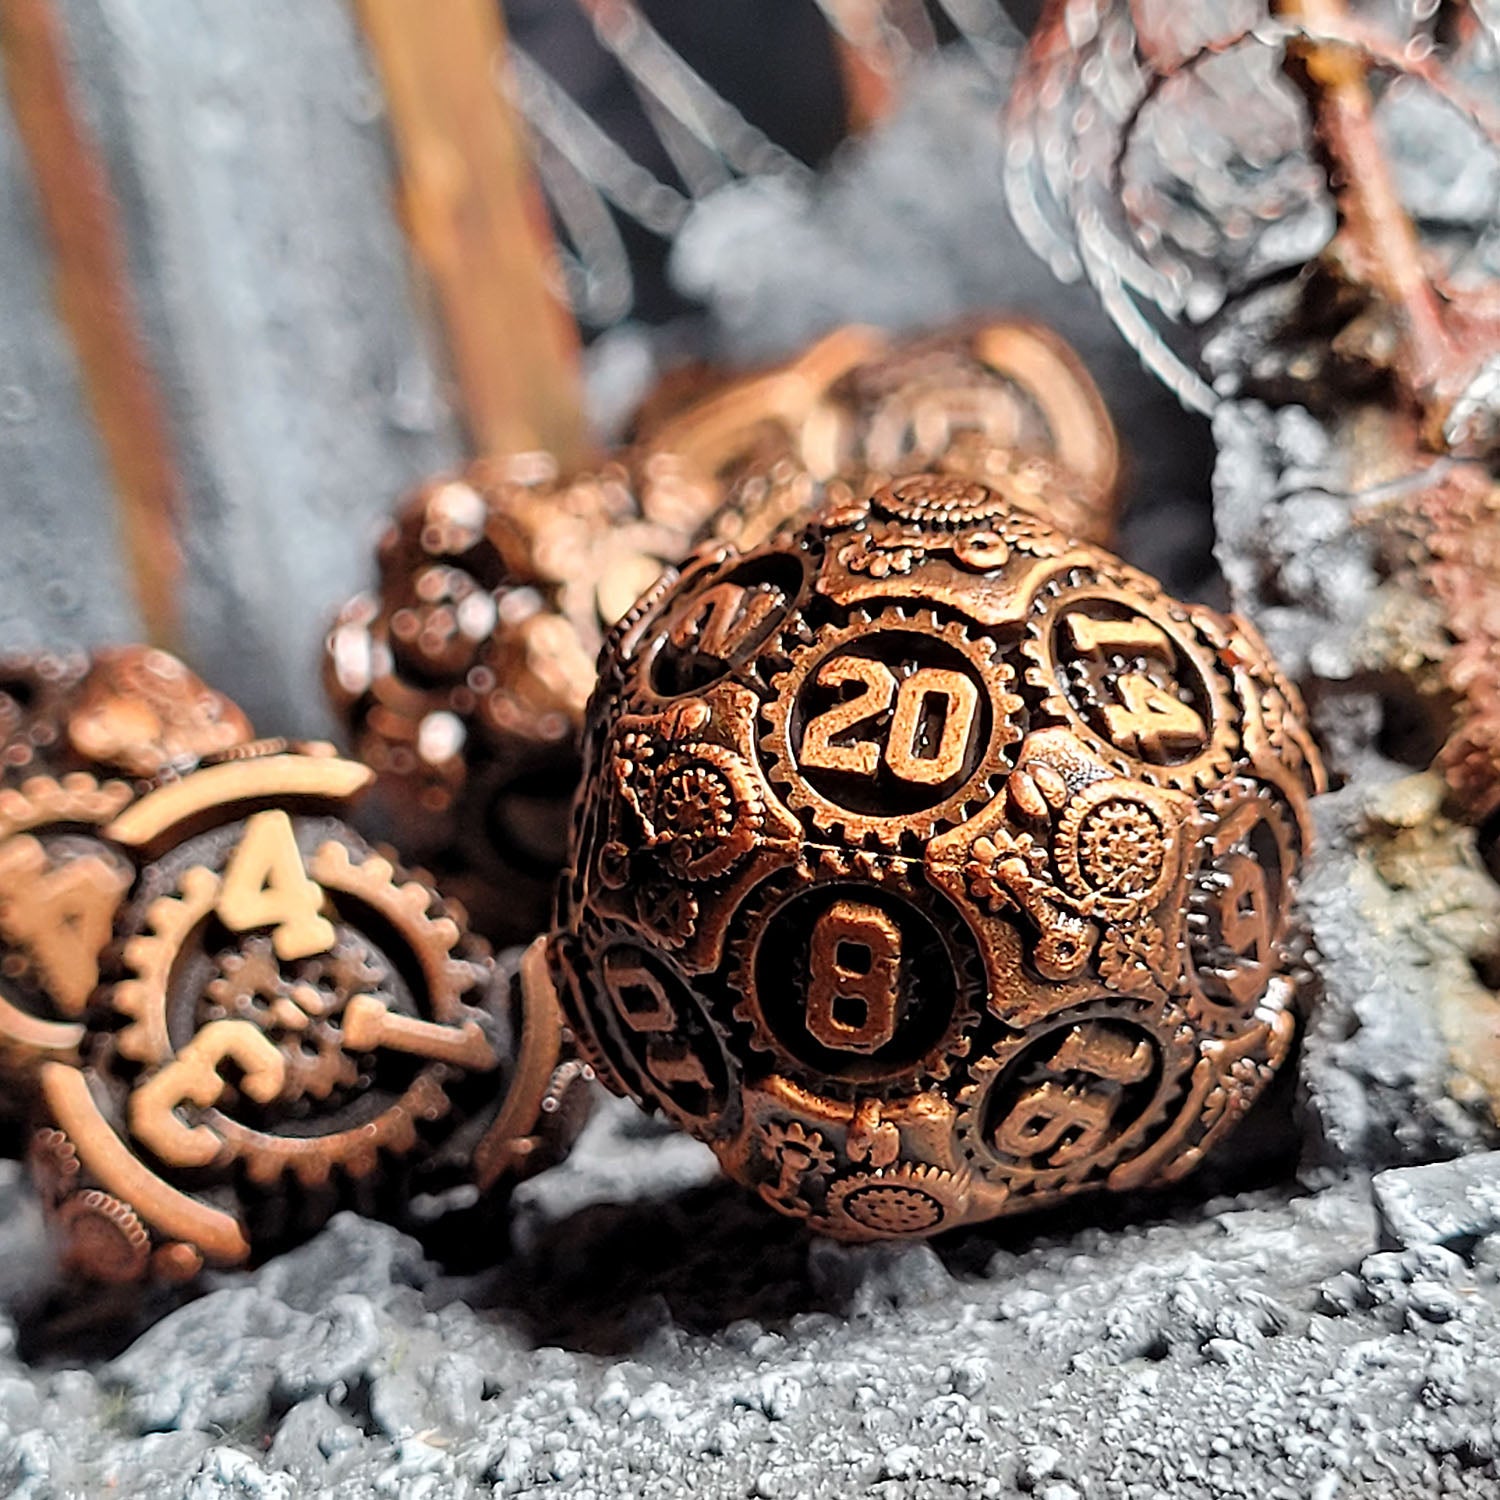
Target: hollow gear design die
column 79, row 735
column 932, row 864
column 288, row 1024
column 463, row 679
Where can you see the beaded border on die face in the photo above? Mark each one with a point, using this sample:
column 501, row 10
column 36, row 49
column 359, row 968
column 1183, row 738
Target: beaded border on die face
column 999, row 757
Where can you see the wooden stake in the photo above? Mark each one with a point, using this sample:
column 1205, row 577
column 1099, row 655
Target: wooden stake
column 475, row 219
column 96, row 303
column 866, row 63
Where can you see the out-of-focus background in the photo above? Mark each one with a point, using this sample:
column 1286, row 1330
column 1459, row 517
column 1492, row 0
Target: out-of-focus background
column 263, row 267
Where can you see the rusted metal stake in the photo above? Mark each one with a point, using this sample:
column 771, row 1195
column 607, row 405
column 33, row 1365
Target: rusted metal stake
column 1379, row 240
column 477, row 225
column 96, row 303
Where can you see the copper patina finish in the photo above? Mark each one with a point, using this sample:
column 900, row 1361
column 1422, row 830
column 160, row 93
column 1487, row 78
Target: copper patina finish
column 77, row 734
column 287, row 1023
column 463, row 679
column 932, row 864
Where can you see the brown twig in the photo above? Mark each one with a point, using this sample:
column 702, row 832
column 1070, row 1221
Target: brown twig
column 1442, row 342
column 477, row 225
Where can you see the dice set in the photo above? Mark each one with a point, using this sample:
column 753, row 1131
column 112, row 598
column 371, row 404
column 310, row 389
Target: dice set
column 926, row 861
column 463, row 679
column 223, row 1012
column 289, row 1023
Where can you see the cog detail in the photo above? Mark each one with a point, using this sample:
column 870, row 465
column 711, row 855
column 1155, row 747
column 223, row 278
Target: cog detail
column 103, row 1238
column 1114, row 848
column 76, row 798
column 1064, row 1102
column 903, row 1201
column 1128, row 672
column 939, row 500
column 800, row 1158
column 300, row 1012
column 335, row 1059
column 704, row 811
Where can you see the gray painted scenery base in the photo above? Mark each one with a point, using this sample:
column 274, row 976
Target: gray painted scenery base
column 656, row 1333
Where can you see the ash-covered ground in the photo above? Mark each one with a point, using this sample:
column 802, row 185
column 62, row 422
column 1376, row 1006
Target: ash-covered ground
column 656, row 1333
column 1320, row 1320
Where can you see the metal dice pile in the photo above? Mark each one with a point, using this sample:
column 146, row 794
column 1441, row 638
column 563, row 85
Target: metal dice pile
column 929, row 863
column 463, row 678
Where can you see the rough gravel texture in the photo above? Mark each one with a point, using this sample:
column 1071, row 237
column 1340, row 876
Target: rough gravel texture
column 656, row 1334
column 1400, row 1061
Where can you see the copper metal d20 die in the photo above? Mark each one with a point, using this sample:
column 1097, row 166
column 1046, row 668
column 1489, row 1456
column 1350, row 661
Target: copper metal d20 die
column 932, row 864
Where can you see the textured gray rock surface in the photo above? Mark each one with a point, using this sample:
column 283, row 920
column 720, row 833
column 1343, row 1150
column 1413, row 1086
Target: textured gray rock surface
column 1443, row 1203
column 1397, row 983
column 670, row 1338
column 1399, row 1063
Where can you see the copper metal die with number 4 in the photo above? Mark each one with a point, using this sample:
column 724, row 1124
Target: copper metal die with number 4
column 78, row 733
column 287, row 1024
column 933, row 865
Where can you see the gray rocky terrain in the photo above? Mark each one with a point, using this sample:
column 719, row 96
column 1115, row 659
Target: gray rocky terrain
column 656, row 1333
